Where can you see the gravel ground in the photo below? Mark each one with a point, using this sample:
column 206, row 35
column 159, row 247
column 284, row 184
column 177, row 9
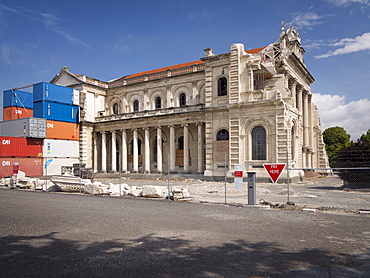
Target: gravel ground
column 322, row 194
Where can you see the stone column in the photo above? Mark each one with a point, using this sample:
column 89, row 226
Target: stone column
column 103, row 152
column 114, row 152
column 172, row 148
column 200, row 148
column 293, row 89
column 136, row 152
column 124, row 151
column 147, row 151
column 186, row 147
column 299, row 98
column 305, row 119
column 159, row 150
column 95, row 152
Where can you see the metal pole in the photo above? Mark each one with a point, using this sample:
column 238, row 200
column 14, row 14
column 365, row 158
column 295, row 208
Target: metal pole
column 168, row 176
column 79, row 175
column 287, row 173
column 119, row 178
column 225, row 174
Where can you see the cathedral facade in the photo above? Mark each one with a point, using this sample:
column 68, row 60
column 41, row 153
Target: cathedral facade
column 244, row 107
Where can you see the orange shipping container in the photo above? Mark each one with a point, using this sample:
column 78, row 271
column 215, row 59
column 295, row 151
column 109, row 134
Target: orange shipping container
column 62, row 130
column 14, row 113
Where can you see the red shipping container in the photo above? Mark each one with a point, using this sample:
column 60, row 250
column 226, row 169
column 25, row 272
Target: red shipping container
column 32, row 167
column 14, row 113
column 20, row 147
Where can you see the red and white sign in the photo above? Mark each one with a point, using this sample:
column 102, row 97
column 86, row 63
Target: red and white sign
column 15, row 168
column 274, row 170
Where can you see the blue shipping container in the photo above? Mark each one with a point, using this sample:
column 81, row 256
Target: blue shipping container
column 17, row 98
column 56, row 111
column 50, row 92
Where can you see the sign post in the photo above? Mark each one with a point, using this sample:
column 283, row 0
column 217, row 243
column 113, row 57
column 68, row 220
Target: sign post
column 238, row 177
column 47, row 163
column 274, row 170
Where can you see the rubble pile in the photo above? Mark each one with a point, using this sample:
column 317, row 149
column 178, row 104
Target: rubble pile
column 70, row 183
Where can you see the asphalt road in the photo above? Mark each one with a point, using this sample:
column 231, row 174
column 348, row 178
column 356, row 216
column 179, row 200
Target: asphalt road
column 72, row 235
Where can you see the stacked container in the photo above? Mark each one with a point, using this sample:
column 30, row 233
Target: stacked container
column 59, row 106
column 27, row 152
column 17, row 105
column 50, row 112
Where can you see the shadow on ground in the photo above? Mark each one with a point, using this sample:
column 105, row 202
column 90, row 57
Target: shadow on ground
column 152, row 256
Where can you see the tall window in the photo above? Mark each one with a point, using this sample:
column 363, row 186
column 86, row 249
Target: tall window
column 158, row 103
column 259, row 143
column 115, row 108
column 136, row 106
column 182, row 100
column 222, row 135
column 222, row 87
column 258, row 82
column 181, row 143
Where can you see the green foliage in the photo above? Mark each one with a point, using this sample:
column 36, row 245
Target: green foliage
column 356, row 155
column 335, row 139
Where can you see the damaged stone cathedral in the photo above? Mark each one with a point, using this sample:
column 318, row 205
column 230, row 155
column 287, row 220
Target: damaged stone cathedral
column 246, row 107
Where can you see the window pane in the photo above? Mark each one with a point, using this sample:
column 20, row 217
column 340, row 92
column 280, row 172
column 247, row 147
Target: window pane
column 223, row 135
column 115, row 108
column 182, row 100
column 222, row 87
column 136, row 106
column 259, row 143
column 158, row 103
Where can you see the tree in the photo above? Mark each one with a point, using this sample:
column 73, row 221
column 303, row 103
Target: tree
column 356, row 155
column 335, row 138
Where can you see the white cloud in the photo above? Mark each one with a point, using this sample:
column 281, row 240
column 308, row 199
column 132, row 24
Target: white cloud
column 347, row 2
column 49, row 20
column 302, row 20
column 349, row 46
column 11, row 55
column 354, row 116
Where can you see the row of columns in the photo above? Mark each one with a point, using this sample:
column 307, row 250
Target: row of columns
column 147, row 160
column 302, row 100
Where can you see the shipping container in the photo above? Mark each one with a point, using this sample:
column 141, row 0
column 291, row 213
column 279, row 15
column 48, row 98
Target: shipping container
column 27, row 127
column 51, row 92
column 62, row 130
column 14, row 113
column 18, row 98
column 32, row 167
column 20, row 147
column 56, row 111
column 56, row 166
column 60, row 148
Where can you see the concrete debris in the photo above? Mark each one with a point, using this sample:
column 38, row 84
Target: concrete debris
column 136, row 191
column 151, row 191
column 70, row 183
column 180, row 193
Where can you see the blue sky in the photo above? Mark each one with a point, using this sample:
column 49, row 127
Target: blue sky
column 110, row 39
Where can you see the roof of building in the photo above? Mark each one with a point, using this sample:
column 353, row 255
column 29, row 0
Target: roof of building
column 173, row 67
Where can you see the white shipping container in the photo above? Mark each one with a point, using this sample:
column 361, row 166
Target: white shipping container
column 60, row 148
column 56, row 164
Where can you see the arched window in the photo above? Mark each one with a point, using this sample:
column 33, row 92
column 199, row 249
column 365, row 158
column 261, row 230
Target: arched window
column 223, row 135
column 115, row 108
column 222, row 87
column 158, row 103
column 182, row 100
column 136, row 106
column 259, row 143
